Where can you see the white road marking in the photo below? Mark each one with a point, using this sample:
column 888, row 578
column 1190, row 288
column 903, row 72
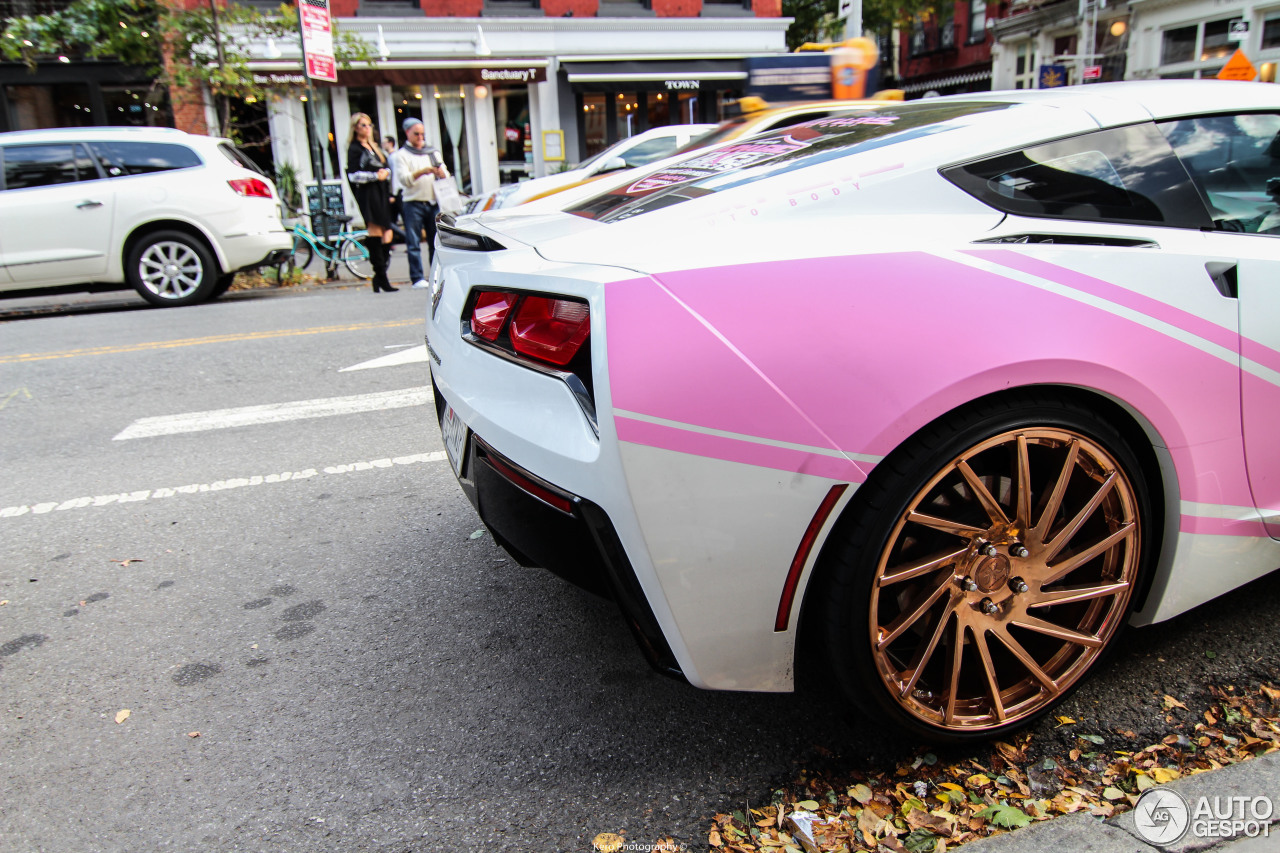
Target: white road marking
column 412, row 355
column 273, row 413
column 43, row 507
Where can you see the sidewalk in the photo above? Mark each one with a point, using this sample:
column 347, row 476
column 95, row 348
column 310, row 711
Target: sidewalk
column 1082, row 833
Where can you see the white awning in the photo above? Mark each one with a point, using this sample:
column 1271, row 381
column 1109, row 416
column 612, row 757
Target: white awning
column 947, row 82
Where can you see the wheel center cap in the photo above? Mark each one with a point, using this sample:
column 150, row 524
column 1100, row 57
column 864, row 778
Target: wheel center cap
column 992, row 573
column 171, row 270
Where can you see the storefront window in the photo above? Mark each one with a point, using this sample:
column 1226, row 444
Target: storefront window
column 364, row 99
column 450, row 101
column 408, row 104
column 512, row 130
column 593, row 124
column 56, row 105
column 1024, row 73
column 136, row 106
column 328, row 139
column 627, row 121
column 688, row 109
column 659, row 108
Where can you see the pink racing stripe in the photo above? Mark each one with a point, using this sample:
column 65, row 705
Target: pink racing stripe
column 1152, row 308
column 736, row 450
column 1223, row 526
column 1263, row 355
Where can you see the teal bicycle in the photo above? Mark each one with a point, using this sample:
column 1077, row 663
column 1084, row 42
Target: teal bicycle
column 333, row 245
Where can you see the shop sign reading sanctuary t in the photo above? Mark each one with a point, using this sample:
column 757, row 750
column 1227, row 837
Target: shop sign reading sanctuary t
column 456, row 76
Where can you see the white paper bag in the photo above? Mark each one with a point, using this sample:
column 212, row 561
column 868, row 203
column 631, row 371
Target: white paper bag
column 447, row 195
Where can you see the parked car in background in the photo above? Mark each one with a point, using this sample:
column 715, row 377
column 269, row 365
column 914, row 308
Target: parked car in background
column 170, row 214
column 638, row 150
column 938, row 396
column 758, row 117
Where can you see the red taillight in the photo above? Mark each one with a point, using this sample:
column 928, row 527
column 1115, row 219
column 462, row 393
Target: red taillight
column 251, row 187
column 550, row 330
column 490, row 314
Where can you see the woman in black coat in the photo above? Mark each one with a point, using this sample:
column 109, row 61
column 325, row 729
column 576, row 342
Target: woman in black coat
column 370, row 178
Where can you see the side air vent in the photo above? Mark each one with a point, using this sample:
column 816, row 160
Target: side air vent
column 1073, row 240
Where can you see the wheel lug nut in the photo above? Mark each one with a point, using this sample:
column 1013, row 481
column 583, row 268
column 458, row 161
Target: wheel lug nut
column 989, row 607
column 986, row 549
column 968, row 584
column 1019, row 550
column 1018, row 585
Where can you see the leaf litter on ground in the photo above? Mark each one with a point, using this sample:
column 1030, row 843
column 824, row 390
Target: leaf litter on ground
column 928, row 805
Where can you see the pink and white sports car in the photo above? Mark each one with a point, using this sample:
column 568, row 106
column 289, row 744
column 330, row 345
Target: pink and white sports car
column 952, row 389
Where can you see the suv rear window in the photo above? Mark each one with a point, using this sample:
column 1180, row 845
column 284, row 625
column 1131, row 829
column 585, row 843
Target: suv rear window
column 758, row 157
column 143, row 158
column 235, row 155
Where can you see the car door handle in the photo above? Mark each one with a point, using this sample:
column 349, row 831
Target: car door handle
column 88, row 203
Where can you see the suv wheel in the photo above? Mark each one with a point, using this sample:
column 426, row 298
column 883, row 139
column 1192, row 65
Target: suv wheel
column 172, row 268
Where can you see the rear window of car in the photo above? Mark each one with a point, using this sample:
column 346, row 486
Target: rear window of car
column 120, row 157
column 1122, row 174
column 766, row 155
column 235, row 155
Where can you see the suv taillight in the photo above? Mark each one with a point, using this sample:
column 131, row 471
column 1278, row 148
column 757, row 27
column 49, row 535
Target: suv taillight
column 251, row 187
column 542, row 328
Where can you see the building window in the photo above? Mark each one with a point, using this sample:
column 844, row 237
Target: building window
column 1271, row 32
column 1178, row 45
column 977, row 21
column 1196, row 43
column 1024, row 69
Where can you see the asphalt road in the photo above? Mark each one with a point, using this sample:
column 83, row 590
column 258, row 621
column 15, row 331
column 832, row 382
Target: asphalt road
column 365, row 672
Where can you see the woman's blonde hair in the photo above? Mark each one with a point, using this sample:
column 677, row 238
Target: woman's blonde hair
column 351, row 137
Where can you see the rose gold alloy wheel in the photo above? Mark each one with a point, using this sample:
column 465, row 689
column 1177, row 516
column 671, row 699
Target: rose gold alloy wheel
column 1004, row 579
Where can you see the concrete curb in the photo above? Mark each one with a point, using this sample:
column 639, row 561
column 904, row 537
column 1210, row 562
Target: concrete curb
column 1083, row 833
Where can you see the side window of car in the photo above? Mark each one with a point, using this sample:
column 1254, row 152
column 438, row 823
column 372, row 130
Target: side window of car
column 1235, row 163
column 1123, row 174
column 44, row 165
column 142, row 158
column 650, row 150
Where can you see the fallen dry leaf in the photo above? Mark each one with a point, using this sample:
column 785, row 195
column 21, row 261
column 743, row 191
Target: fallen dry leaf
column 1170, row 703
column 193, row 734
column 121, row 716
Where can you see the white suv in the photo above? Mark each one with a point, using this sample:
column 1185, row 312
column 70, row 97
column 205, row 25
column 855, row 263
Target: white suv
column 171, row 214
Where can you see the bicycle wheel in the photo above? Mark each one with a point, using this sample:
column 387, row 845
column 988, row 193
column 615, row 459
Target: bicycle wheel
column 356, row 257
column 302, row 254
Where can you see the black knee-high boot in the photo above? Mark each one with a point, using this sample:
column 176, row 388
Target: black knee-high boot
column 373, row 245
column 386, row 264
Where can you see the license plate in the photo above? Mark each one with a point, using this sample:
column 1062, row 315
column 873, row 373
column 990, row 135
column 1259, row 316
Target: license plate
column 455, row 438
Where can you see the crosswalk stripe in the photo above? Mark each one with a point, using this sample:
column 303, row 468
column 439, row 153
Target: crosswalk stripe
column 273, row 413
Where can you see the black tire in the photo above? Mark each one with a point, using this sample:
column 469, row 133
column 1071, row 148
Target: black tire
column 224, row 284
column 356, row 257
column 967, row 629
column 171, row 268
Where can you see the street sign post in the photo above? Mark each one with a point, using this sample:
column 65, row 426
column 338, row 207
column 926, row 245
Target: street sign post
column 317, row 40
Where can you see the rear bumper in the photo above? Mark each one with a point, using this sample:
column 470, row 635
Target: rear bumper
column 542, row 525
